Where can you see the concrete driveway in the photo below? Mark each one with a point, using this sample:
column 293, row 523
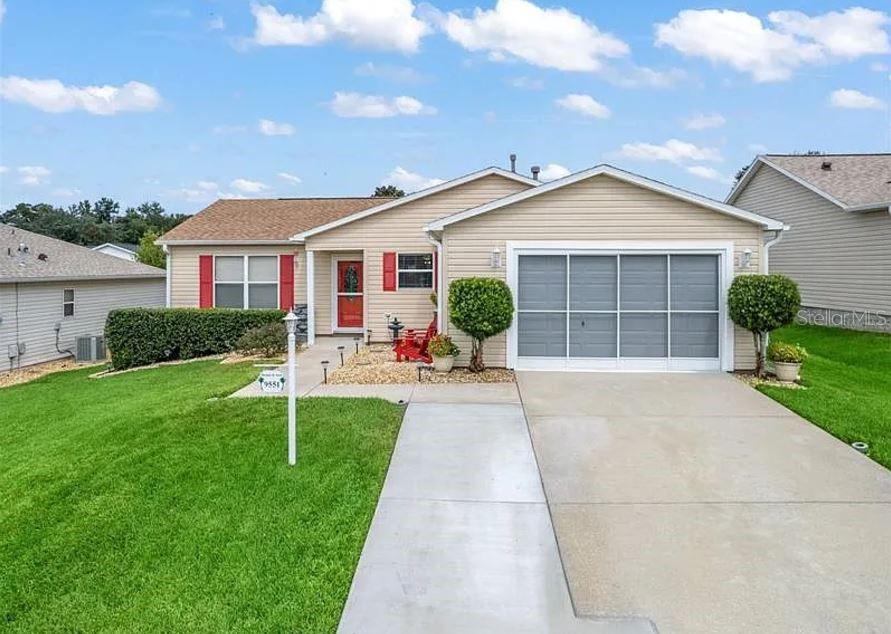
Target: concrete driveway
column 699, row 503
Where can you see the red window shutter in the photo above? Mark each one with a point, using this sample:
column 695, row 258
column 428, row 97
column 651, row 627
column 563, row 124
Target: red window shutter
column 205, row 281
column 285, row 282
column 389, row 271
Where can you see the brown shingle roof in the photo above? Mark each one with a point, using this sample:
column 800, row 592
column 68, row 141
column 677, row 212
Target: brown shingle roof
column 27, row 256
column 265, row 219
column 853, row 179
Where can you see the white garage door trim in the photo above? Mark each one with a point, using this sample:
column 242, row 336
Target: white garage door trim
column 723, row 249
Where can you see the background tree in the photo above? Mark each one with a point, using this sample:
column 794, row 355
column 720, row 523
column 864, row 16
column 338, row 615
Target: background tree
column 387, row 191
column 89, row 224
column 481, row 307
column 150, row 253
column 761, row 304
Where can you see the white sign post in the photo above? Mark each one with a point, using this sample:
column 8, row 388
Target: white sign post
column 291, row 324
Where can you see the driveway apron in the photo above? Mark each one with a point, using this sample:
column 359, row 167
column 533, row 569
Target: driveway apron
column 461, row 540
column 702, row 504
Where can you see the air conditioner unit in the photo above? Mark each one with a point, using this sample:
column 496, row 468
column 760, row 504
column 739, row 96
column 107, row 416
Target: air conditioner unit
column 90, row 348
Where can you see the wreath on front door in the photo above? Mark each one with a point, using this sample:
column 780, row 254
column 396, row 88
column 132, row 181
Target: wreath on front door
column 351, row 280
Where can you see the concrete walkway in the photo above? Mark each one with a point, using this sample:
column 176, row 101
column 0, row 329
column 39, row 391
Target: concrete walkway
column 461, row 540
column 700, row 503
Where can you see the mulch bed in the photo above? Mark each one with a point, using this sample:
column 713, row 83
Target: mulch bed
column 750, row 379
column 376, row 365
column 23, row 375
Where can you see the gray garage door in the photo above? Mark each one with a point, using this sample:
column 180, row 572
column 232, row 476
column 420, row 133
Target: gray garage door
column 618, row 307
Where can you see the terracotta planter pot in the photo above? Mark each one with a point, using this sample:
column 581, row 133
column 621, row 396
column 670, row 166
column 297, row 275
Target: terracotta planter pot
column 443, row 364
column 787, row 372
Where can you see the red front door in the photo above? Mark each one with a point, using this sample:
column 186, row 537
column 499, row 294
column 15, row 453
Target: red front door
column 349, row 294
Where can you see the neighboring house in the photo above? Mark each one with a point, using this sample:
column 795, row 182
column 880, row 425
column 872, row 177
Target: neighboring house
column 118, row 249
column 838, row 249
column 609, row 269
column 52, row 292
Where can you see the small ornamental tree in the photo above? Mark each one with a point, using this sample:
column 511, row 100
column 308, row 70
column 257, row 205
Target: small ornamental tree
column 761, row 304
column 150, row 253
column 481, row 307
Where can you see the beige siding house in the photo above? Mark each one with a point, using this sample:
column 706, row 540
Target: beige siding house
column 52, row 292
column 838, row 248
column 609, row 270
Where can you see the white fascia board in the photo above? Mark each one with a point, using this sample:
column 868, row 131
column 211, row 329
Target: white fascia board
column 622, row 175
column 489, row 171
column 765, row 161
column 184, row 243
column 861, row 209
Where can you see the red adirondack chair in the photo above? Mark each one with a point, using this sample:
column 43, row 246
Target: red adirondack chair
column 411, row 345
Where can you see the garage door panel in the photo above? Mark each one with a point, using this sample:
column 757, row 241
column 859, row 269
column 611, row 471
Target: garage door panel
column 592, row 335
column 592, row 282
column 694, row 335
column 643, row 335
column 542, row 334
column 542, row 282
column 694, row 282
column 643, row 282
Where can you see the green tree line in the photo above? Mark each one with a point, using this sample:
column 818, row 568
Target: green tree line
column 92, row 223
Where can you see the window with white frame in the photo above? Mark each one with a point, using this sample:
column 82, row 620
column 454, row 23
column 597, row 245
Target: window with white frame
column 246, row 281
column 415, row 270
column 68, row 302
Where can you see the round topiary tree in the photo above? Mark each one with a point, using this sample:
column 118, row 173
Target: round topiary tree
column 761, row 304
column 480, row 307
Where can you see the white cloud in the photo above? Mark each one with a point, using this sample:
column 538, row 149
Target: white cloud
column 743, row 42
column 381, row 24
column 708, row 173
column 66, row 192
column 216, row 24
column 704, row 121
column 409, row 181
column 291, row 178
column 33, row 175
column 585, row 105
column 643, row 77
column 673, row 151
column 553, row 171
column 549, row 38
column 268, row 127
column 247, row 186
column 757, row 148
column 526, row 83
column 207, row 186
column 854, row 99
column 51, row 95
column 395, row 74
column 3, row 169
column 2, row 11
column 353, row 104
column 879, row 67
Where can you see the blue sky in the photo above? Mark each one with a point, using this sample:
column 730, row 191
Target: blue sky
column 426, row 91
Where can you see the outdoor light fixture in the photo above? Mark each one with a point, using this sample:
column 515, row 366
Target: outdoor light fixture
column 325, row 371
column 495, row 260
column 746, row 258
column 340, row 350
column 291, row 326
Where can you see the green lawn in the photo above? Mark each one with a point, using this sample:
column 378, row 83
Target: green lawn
column 132, row 503
column 848, row 376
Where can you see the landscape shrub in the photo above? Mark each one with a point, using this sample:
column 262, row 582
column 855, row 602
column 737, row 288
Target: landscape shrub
column 141, row 336
column 761, row 304
column 269, row 340
column 780, row 352
column 481, row 307
column 443, row 346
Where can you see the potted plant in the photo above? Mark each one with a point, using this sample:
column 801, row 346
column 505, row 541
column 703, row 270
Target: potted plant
column 787, row 359
column 443, row 350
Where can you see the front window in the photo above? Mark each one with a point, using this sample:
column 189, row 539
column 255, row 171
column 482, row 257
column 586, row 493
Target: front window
column 68, row 302
column 415, row 270
column 249, row 281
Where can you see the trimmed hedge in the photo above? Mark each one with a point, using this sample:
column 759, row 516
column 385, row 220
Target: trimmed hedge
column 141, row 336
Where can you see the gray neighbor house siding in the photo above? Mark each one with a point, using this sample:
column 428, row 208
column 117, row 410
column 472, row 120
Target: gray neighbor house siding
column 840, row 259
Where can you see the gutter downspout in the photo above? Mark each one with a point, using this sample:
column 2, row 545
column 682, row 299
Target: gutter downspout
column 439, row 266
column 167, row 280
column 778, row 236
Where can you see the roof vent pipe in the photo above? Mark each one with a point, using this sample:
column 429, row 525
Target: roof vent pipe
column 827, row 165
column 535, row 170
column 513, row 163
